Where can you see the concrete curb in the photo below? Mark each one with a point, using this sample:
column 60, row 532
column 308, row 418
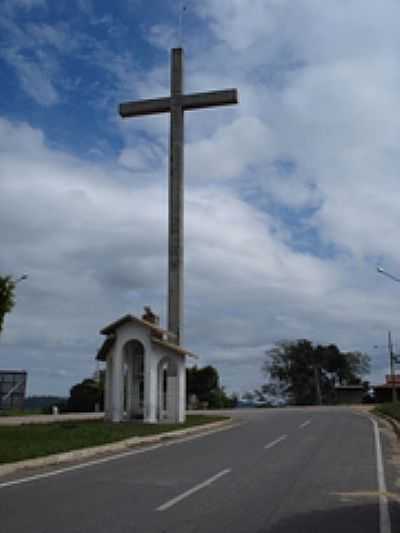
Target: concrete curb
column 121, row 445
column 48, row 419
column 392, row 421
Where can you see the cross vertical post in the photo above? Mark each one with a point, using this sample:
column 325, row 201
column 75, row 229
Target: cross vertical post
column 176, row 104
column 176, row 199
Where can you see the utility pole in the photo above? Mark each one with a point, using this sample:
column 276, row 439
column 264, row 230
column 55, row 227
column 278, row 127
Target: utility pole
column 392, row 369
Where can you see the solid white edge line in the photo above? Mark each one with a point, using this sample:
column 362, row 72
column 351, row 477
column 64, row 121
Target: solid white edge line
column 304, row 424
column 77, row 467
column 95, row 462
column 191, row 491
column 384, row 517
column 276, row 441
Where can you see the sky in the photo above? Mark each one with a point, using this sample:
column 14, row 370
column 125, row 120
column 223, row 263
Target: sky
column 292, row 197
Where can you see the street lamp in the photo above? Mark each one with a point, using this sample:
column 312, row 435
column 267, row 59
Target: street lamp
column 382, row 271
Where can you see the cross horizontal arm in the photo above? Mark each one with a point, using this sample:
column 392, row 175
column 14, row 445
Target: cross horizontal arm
column 189, row 101
column 210, row 99
column 145, row 107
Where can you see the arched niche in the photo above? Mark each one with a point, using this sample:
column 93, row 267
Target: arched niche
column 133, row 372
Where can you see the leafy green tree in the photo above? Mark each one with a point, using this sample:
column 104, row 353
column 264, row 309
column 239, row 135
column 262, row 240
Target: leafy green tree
column 204, row 383
column 307, row 374
column 85, row 395
column 7, row 298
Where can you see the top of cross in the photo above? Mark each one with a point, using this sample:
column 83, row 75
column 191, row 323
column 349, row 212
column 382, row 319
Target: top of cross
column 177, row 98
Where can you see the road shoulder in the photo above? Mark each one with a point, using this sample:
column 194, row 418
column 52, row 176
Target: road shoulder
column 112, row 448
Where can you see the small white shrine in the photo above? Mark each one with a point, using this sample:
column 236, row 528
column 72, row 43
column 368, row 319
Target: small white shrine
column 145, row 371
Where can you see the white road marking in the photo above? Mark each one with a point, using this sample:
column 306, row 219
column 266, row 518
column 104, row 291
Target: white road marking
column 191, row 491
column 77, row 467
column 274, row 442
column 384, row 517
column 304, row 424
column 198, row 436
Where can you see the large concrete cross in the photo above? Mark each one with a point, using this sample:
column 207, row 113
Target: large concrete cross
column 176, row 104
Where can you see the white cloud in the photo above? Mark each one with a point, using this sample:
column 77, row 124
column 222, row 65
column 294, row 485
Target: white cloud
column 232, row 150
column 241, row 23
column 290, row 196
column 162, row 36
column 33, row 77
column 93, row 241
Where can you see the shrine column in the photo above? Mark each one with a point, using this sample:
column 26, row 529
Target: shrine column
column 150, row 388
column 108, row 388
column 117, row 388
column 181, row 389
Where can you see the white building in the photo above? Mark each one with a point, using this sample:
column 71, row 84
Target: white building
column 145, row 371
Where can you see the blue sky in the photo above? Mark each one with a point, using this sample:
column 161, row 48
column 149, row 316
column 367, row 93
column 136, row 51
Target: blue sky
column 291, row 196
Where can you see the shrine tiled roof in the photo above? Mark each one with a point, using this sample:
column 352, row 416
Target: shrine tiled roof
column 159, row 336
column 111, row 328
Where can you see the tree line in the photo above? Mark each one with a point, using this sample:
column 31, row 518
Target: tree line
column 297, row 372
column 202, row 383
column 305, row 373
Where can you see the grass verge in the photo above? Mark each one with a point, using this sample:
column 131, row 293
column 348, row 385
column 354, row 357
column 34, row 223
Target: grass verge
column 37, row 440
column 388, row 409
column 20, row 412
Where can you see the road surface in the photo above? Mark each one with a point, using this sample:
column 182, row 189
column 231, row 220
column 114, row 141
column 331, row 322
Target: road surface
column 276, row 471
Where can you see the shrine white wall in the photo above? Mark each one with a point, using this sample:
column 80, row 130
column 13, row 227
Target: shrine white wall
column 153, row 354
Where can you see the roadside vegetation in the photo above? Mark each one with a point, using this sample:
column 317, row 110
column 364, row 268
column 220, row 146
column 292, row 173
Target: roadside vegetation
column 389, row 409
column 7, row 297
column 203, row 389
column 306, row 374
column 20, row 412
column 37, row 440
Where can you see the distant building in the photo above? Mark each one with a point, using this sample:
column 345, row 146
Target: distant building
column 383, row 393
column 349, row 394
column 12, row 389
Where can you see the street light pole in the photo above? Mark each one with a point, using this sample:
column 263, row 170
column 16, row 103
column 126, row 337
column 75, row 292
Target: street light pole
column 380, row 270
column 392, row 370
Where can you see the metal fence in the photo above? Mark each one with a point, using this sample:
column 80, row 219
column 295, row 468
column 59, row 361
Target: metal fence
column 12, row 389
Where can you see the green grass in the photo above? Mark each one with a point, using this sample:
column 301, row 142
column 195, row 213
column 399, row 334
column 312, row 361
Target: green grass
column 389, row 409
column 37, row 440
column 20, row 412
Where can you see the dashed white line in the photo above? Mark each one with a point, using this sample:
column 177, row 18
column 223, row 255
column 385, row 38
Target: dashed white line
column 304, row 424
column 384, row 517
column 275, row 442
column 191, row 491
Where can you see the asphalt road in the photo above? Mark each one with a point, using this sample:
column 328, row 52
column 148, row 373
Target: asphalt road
column 276, row 471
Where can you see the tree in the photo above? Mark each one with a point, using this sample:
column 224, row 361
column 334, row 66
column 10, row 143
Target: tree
column 85, row 395
column 307, row 374
column 204, row 383
column 7, row 299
